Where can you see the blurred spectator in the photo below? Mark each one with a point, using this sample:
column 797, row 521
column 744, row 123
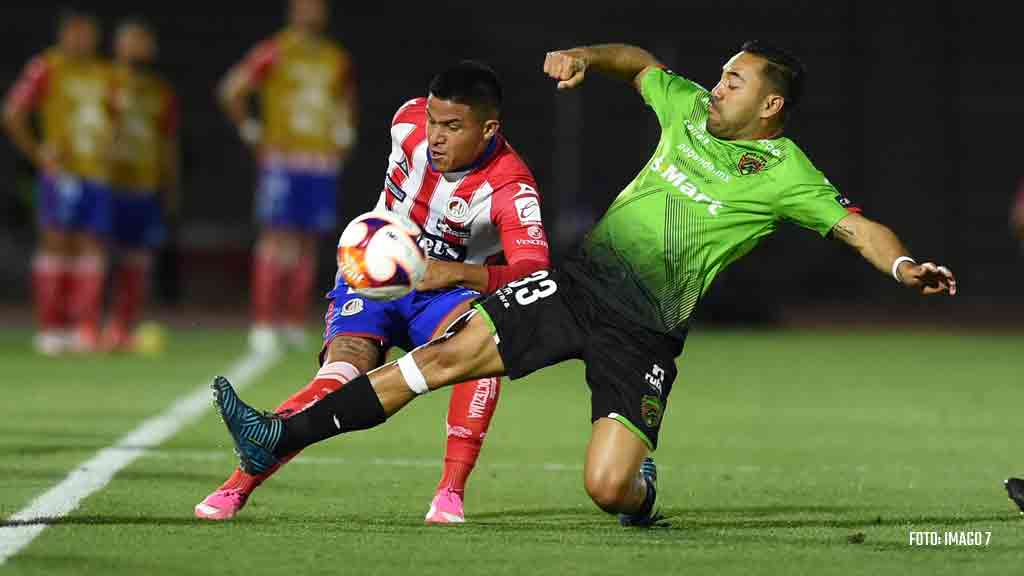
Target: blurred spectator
column 144, row 163
column 308, row 128
column 69, row 87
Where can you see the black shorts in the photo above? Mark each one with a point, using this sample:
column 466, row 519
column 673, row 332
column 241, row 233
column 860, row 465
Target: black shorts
column 547, row 318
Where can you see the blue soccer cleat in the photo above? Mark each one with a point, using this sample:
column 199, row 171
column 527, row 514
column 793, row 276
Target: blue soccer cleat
column 647, row 518
column 255, row 434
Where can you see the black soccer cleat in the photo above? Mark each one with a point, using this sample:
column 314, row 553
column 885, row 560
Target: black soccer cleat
column 649, row 516
column 1015, row 490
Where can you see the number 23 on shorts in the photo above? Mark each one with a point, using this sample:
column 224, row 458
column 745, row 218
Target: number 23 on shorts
column 527, row 294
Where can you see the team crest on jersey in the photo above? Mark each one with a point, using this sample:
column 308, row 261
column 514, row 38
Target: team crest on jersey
column 750, row 163
column 457, row 210
column 651, row 410
column 352, row 307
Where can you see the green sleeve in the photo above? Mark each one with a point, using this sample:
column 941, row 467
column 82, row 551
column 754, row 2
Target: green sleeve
column 670, row 96
column 813, row 206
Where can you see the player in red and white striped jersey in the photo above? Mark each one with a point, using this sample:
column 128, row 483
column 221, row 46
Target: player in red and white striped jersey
column 483, row 213
column 454, row 174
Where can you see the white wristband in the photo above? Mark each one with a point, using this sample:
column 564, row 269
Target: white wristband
column 251, row 131
column 896, row 266
column 344, row 136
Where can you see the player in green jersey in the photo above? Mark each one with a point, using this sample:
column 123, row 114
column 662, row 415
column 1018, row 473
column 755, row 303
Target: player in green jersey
column 722, row 178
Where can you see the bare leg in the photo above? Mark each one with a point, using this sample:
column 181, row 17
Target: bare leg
column 467, row 351
column 611, row 472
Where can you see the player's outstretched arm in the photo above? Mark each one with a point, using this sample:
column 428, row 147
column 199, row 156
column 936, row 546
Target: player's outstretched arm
column 880, row 246
column 621, row 61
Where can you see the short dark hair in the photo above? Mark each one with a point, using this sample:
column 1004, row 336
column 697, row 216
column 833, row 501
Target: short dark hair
column 134, row 21
column 784, row 70
column 471, row 83
column 67, row 15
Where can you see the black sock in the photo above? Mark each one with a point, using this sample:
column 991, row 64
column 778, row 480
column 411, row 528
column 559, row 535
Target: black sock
column 354, row 407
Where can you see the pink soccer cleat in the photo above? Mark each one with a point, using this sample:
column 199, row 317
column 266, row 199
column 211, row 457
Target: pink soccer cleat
column 446, row 508
column 223, row 504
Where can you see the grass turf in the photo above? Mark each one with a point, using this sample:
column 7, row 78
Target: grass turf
column 792, row 452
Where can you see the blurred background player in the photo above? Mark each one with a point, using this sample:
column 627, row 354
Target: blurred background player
column 69, row 87
column 308, row 128
column 144, row 164
column 454, row 174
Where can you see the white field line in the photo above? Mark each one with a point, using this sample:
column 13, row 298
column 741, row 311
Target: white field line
column 20, row 529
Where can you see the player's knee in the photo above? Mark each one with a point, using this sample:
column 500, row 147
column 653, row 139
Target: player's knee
column 607, row 487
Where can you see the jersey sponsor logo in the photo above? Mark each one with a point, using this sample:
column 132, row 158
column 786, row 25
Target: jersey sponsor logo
column 528, row 209
column 679, row 180
column 352, row 307
column 703, row 162
column 651, row 410
column 655, row 378
column 394, row 188
column 772, row 147
column 403, row 165
column 457, row 210
column 750, row 163
column 697, row 132
column 535, row 232
column 437, row 247
column 456, row 231
column 530, row 242
column 459, row 431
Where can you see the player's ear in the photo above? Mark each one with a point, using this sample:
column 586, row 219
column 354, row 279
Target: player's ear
column 491, row 127
column 772, row 105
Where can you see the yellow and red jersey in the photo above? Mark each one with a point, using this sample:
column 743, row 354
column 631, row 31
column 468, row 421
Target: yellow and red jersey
column 304, row 82
column 74, row 98
column 147, row 122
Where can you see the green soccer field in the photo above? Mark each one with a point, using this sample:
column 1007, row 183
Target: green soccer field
column 782, row 452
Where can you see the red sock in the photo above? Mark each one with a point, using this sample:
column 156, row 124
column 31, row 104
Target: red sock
column 331, row 377
column 469, row 416
column 129, row 292
column 300, row 290
column 48, row 271
column 86, row 299
column 266, row 278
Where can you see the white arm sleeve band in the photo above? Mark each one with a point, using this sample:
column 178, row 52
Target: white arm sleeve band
column 413, row 377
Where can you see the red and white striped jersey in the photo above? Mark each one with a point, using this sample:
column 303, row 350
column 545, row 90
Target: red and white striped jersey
column 487, row 214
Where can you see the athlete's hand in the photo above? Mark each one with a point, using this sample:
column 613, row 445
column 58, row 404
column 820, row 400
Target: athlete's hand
column 47, row 160
column 439, row 274
column 251, row 133
column 567, row 66
column 927, row 278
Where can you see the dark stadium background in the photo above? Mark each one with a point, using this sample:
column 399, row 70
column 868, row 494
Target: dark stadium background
column 912, row 109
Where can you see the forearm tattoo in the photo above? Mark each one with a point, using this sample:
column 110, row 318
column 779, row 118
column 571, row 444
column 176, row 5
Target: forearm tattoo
column 844, row 232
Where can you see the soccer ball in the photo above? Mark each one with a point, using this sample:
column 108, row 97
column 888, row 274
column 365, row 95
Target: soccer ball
column 378, row 255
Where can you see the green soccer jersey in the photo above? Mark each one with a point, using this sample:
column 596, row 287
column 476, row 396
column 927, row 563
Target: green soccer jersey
column 698, row 205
